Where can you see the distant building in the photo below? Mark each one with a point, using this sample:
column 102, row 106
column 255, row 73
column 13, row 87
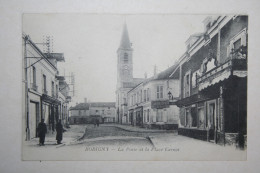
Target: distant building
column 86, row 112
column 151, row 103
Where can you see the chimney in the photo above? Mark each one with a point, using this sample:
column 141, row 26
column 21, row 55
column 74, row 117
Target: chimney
column 145, row 75
column 85, row 100
column 155, row 70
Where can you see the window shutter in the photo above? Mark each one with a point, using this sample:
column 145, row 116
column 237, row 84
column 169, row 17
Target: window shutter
column 243, row 38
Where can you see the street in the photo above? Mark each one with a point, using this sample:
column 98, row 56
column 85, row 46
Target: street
column 115, row 138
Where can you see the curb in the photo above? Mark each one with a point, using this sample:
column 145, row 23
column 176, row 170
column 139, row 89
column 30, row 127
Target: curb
column 150, row 140
column 152, row 131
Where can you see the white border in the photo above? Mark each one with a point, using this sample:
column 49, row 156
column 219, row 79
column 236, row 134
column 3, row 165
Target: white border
column 11, row 83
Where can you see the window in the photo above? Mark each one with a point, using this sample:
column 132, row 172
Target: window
column 237, row 44
column 103, row 111
column 125, row 58
column 141, row 96
column 145, row 119
column 201, row 117
column 187, row 117
column 126, row 72
column 148, row 94
column 148, row 115
column 144, row 95
column 193, row 117
column 57, row 91
column 34, row 76
column 159, row 92
column 193, row 79
column 186, row 85
column 44, row 84
column 79, row 112
column 159, row 115
column 52, row 89
column 237, row 41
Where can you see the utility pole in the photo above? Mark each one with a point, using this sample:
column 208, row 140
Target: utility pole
column 26, row 90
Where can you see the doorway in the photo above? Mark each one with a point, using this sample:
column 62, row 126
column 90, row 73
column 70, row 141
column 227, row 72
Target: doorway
column 211, row 119
column 33, row 118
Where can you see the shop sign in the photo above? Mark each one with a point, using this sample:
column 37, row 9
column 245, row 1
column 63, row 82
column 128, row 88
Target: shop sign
column 160, row 104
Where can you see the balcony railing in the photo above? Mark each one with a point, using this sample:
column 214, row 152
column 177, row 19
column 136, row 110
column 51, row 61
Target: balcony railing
column 34, row 86
column 236, row 62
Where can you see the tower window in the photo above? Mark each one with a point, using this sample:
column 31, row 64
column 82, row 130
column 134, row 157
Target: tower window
column 125, row 58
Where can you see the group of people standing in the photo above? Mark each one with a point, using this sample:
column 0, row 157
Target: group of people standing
column 96, row 122
column 42, row 130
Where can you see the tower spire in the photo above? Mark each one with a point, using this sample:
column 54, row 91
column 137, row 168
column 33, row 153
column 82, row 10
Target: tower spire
column 125, row 42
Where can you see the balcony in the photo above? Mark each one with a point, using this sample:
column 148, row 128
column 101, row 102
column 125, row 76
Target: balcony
column 236, row 65
column 34, row 86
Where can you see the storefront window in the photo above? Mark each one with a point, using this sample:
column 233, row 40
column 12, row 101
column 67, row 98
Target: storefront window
column 145, row 116
column 201, row 117
column 188, row 120
column 159, row 116
column 193, row 117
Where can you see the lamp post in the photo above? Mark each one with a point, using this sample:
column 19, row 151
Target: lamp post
column 170, row 96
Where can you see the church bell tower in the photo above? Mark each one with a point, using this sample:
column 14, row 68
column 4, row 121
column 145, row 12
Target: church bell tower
column 124, row 60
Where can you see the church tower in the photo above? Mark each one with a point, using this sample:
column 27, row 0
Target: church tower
column 124, row 60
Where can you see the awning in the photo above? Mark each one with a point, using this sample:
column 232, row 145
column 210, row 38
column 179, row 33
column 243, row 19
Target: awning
column 50, row 100
column 160, row 104
column 191, row 100
column 139, row 108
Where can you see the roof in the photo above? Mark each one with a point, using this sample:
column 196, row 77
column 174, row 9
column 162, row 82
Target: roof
column 102, row 104
column 161, row 76
column 196, row 35
column 125, row 42
column 166, row 73
column 86, row 106
column 80, row 106
column 137, row 81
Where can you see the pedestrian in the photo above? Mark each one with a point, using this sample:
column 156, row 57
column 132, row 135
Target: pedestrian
column 94, row 122
column 59, row 130
column 42, row 130
column 97, row 122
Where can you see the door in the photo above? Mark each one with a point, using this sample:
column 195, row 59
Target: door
column 211, row 120
column 33, row 119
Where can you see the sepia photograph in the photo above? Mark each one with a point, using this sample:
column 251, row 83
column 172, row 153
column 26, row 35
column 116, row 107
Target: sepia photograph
column 134, row 87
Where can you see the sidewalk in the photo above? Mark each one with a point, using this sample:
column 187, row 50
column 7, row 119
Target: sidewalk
column 139, row 129
column 71, row 135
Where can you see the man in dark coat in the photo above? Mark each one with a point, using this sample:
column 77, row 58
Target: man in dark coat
column 59, row 130
column 42, row 130
column 97, row 122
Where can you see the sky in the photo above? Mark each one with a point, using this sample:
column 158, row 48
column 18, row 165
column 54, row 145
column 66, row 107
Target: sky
column 90, row 42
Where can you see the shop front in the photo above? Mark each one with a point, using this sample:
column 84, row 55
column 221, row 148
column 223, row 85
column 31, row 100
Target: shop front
column 218, row 112
column 139, row 116
column 131, row 116
column 50, row 111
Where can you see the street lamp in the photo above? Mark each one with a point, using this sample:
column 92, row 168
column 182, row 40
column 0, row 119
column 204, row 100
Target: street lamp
column 170, row 95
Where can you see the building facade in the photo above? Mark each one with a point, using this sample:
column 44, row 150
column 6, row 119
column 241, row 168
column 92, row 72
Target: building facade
column 84, row 113
column 213, row 81
column 41, row 88
column 150, row 104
